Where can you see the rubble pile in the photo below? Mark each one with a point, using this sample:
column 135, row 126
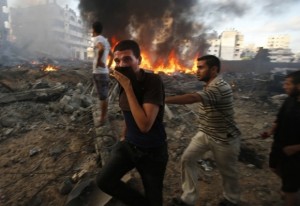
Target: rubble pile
column 48, row 138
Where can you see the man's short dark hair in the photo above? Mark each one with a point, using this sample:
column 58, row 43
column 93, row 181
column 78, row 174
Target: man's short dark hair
column 211, row 61
column 129, row 45
column 295, row 76
column 97, row 27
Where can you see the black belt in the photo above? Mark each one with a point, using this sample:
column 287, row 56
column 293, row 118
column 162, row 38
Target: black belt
column 144, row 149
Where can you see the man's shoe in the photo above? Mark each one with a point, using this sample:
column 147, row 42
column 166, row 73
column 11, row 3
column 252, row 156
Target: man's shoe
column 177, row 201
column 226, row 202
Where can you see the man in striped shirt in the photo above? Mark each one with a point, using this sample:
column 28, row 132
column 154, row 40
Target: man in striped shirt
column 217, row 132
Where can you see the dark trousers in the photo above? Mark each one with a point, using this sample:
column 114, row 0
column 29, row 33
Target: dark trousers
column 151, row 165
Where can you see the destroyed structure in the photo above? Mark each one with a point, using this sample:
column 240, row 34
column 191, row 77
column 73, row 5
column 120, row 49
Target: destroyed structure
column 51, row 150
column 42, row 30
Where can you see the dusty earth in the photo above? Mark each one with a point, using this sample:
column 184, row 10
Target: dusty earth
column 42, row 146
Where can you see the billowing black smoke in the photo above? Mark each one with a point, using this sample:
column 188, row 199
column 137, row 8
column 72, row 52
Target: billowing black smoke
column 160, row 26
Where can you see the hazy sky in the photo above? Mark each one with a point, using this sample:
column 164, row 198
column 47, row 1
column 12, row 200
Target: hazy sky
column 265, row 18
column 256, row 19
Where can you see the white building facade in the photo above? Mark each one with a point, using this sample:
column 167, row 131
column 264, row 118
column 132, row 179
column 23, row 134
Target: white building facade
column 281, row 55
column 214, row 48
column 4, row 25
column 51, row 30
column 231, row 45
column 278, row 41
column 228, row 46
column 279, row 48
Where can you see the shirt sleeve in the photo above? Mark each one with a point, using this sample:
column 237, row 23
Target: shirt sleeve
column 218, row 91
column 154, row 90
column 211, row 95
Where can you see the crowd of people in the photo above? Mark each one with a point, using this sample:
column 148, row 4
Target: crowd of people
column 143, row 144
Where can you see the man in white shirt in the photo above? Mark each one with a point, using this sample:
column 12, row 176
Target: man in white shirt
column 100, row 69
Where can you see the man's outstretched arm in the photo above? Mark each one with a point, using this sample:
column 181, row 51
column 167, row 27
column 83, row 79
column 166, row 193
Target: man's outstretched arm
column 184, row 99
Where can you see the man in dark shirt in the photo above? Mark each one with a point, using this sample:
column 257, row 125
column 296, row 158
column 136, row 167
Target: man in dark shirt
column 285, row 153
column 143, row 145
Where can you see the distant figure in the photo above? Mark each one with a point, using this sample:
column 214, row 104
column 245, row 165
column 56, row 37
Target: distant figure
column 217, row 132
column 143, row 145
column 100, row 69
column 284, row 158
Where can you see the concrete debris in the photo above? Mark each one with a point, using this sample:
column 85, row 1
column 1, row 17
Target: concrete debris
column 34, row 151
column 57, row 112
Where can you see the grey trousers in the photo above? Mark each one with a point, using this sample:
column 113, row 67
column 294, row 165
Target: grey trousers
column 226, row 158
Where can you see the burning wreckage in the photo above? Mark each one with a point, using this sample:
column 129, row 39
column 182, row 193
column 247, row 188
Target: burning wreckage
column 48, row 137
column 49, row 145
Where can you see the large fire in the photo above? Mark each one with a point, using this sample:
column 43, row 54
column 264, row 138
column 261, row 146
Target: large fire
column 173, row 65
column 170, row 66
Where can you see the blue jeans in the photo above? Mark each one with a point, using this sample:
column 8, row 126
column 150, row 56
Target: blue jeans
column 150, row 164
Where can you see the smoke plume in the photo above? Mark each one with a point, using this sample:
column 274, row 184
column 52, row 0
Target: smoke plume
column 160, row 26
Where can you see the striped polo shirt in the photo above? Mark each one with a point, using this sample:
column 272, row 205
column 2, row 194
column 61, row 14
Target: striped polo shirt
column 216, row 111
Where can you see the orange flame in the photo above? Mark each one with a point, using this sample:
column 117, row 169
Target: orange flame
column 113, row 41
column 169, row 66
column 50, row 68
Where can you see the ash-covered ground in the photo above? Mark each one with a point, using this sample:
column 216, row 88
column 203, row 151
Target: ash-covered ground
column 47, row 135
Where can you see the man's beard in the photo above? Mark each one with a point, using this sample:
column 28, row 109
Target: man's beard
column 203, row 79
column 295, row 93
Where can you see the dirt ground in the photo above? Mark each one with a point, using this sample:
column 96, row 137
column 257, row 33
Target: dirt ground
column 41, row 148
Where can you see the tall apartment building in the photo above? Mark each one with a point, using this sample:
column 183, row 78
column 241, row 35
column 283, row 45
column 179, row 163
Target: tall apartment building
column 214, row 48
column 3, row 21
column 228, row 46
column 281, row 55
column 231, row 45
column 279, row 50
column 278, row 41
column 50, row 30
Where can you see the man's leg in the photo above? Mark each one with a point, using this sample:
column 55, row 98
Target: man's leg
column 104, row 108
column 290, row 179
column 226, row 157
column 290, row 199
column 152, row 168
column 101, row 82
column 190, row 169
column 109, row 178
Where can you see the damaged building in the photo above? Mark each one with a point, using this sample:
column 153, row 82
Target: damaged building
column 47, row 29
column 50, row 146
column 3, row 21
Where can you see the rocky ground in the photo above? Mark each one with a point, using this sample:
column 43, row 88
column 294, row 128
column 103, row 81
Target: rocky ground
column 47, row 137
